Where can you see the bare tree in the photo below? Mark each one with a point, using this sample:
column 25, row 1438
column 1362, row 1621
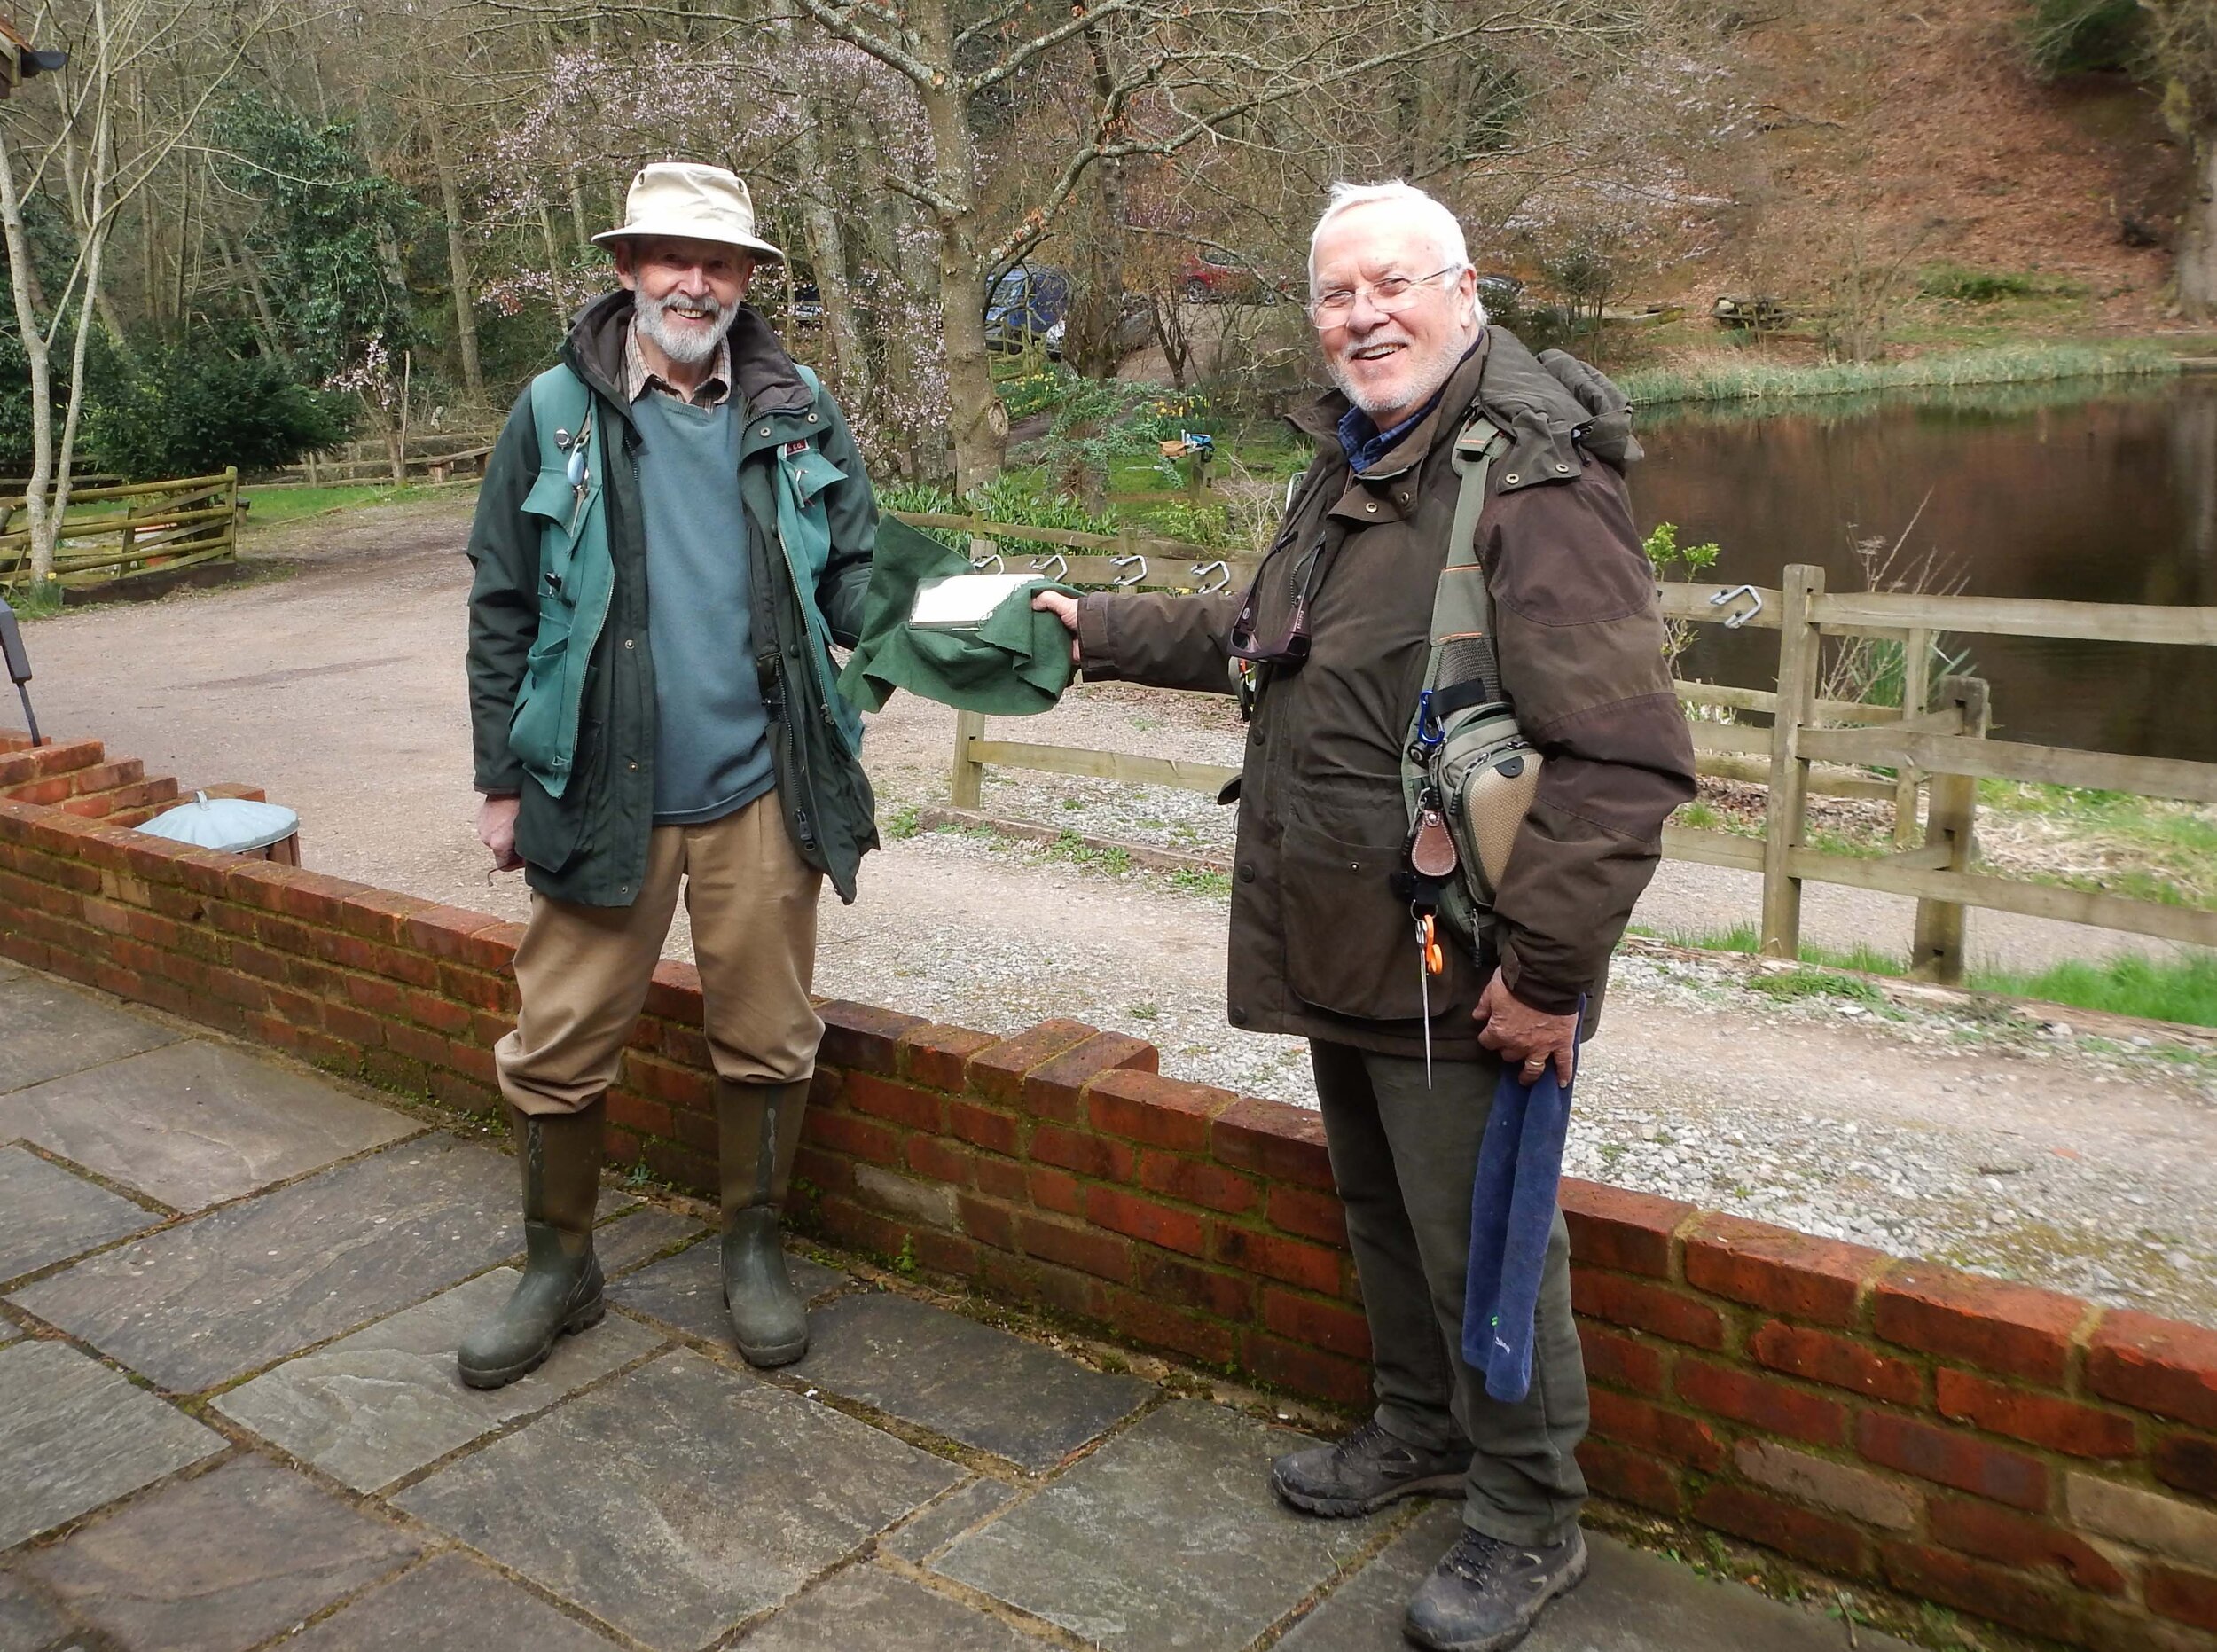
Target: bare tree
column 1186, row 75
column 74, row 146
column 2182, row 49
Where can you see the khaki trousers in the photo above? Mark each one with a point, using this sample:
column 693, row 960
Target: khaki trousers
column 1404, row 1154
column 584, row 971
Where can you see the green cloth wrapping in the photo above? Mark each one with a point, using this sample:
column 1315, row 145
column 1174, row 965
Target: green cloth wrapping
column 1016, row 664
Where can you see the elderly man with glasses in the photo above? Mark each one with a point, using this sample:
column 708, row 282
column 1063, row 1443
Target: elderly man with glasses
column 1333, row 641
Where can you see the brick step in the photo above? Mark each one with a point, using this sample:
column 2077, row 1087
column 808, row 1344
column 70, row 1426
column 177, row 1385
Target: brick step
column 31, row 763
column 148, row 798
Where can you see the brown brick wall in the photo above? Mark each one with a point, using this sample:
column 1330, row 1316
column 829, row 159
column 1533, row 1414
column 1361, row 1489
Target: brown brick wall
column 2006, row 1451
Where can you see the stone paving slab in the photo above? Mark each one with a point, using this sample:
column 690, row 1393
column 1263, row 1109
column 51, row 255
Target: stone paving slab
column 450, row 1604
column 52, row 1030
column 1165, row 1537
column 946, row 1520
column 963, row 1379
column 220, row 1561
column 629, row 1241
column 9, row 1331
column 215, row 1297
column 686, row 1292
column 52, row 1215
column 866, row 1607
column 678, row 1498
column 27, row 1623
column 194, row 1123
column 385, row 1401
column 74, row 1435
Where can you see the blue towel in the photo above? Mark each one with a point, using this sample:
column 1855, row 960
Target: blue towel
column 1512, row 1211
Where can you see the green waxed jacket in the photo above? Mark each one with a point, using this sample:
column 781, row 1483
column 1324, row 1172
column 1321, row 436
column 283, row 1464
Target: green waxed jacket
column 589, row 845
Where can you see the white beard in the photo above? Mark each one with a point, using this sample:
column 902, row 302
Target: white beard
column 1422, row 387
column 689, row 344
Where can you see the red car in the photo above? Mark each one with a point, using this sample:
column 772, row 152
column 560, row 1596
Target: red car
column 1212, row 276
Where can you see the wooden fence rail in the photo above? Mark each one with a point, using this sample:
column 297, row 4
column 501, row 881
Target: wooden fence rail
column 154, row 526
column 1935, row 741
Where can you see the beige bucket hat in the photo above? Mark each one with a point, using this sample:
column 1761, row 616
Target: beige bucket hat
column 689, row 201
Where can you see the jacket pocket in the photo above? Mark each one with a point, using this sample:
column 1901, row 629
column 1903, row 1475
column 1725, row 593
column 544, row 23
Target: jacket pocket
column 804, row 475
column 1351, row 946
column 535, row 730
column 548, row 828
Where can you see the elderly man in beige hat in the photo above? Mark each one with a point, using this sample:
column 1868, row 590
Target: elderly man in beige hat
column 674, row 526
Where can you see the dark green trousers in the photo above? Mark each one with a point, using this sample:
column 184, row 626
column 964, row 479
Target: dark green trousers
column 1404, row 1156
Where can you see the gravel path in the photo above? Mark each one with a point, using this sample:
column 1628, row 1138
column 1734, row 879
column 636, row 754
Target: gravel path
column 2052, row 1158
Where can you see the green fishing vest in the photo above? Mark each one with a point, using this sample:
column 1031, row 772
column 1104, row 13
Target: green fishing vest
column 576, row 575
column 578, row 571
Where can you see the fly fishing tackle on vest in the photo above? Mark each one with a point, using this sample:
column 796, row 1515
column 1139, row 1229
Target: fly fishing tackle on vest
column 576, row 472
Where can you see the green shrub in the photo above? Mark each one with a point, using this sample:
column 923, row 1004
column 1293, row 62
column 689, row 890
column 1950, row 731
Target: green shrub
column 1037, row 387
column 1005, row 499
column 193, row 408
column 1967, row 285
column 2074, row 36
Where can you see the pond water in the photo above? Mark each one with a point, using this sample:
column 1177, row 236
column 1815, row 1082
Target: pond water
column 2103, row 493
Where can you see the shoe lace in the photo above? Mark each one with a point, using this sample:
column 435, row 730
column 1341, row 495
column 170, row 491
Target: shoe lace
column 1479, row 1557
column 1364, row 1442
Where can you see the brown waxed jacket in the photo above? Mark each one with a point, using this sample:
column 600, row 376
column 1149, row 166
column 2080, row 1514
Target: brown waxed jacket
column 1320, row 946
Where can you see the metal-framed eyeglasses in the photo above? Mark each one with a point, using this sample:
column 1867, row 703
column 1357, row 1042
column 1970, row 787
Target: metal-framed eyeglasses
column 1389, row 295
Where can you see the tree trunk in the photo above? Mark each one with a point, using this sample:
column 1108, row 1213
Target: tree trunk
column 975, row 417
column 239, row 257
column 553, row 261
column 40, row 358
column 827, row 247
column 2197, row 232
column 1092, row 343
column 458, row 258
column 827, row 257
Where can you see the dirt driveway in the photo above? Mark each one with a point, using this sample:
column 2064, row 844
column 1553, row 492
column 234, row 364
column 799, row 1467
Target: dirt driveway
column 2045, row 1157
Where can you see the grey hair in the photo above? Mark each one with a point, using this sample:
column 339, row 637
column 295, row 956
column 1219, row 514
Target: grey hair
column 1440, row 225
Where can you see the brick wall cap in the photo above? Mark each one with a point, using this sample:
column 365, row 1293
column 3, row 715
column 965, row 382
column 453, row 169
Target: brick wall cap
column 1277, row 1138
column 1615, row 1227
column 936, row 1052
column 1144, row 1106
column 998, row 1069
column 1056, row 1087
column 2164, row 1365
column 863, row 1035
column 2010, row 1330
column 1778, row 1268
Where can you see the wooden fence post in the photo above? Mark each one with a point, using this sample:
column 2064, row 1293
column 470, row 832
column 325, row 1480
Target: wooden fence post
column 1917, row 690
column 1800, row 646
column 1951, row 822
column 970, row 774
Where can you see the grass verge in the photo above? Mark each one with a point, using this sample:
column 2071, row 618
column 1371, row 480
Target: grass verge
column 1724, row 379
column 2182, row 989
column 290, row 505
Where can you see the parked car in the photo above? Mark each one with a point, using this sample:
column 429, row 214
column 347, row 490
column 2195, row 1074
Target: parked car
column 1498, row 291
column 1031, row 302
column 1213, row 276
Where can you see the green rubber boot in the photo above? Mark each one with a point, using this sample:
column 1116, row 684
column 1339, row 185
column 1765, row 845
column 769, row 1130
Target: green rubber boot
column 758, row 1132
column 561, row 1289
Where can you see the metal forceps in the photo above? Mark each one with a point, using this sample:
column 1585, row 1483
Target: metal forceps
column 578, row 474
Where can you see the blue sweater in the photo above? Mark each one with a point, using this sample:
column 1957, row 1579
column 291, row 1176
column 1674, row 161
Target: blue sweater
column 711, row 736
